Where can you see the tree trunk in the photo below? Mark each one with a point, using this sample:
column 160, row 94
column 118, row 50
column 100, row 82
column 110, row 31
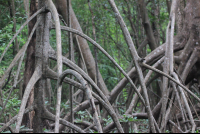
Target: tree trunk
column 188, row 58
column 89, row 60
column 29, row 65
column 41, row 53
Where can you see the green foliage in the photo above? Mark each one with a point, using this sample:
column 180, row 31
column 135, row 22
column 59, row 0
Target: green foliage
column 6, row 33
column 125, row 94
column 6, row 132
column 46, row 130
column 12, row 106
column 83, row 116
column 107, row 121
column 128, row 118
column 13, row 103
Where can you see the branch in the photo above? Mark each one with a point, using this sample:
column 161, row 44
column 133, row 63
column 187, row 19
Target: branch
column 54, row 12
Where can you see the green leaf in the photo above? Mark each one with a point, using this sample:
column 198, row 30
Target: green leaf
column 130, row 119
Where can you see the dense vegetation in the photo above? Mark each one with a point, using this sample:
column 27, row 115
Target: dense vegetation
column 164, row 35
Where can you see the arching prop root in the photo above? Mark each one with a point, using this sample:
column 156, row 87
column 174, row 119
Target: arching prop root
column 87, row 92
column 36, row 76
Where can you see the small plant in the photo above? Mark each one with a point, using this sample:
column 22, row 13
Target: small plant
column 197, row 131
column 107, row 121
column 12, row 106
column 128, row 118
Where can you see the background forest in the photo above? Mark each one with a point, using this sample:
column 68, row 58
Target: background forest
column 138, row 71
